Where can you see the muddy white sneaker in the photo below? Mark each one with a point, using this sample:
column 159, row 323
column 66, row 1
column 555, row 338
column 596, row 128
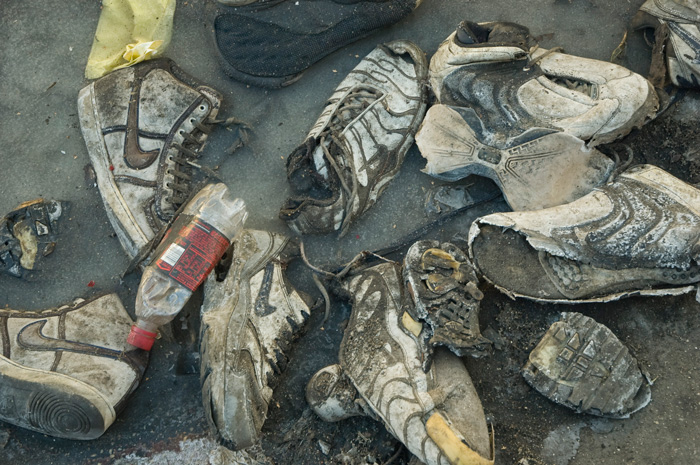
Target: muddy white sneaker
column 144, row 127
column 539, row 168
column 248, row 321
column 676, row 25
column 530, row 87
column 638, row 235
column 27, row 234
column 63, row 371
column 436, row 413
column 444, row 289
column 359, row 142
column 581, row 364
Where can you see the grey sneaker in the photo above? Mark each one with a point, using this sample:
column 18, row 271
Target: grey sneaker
column 27, row 234
column 639, row 235
column 144, row 127
column 498, row 70
column 63, row 371
column 359, row 142
column 581, row 364
column 676, row 25
column 443, row 286
column 249, row 318
column 436, row 413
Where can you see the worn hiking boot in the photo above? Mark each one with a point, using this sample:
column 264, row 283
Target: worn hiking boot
column 27, row 234
column 144, row 127
column 63, row 371
column 639, row 235
column 271, row 43
column 249, row 318
column 676, row 26
column 443, row 286
column 539, row 168
column 497, row 70
column 581, row 364
column 359, row 142
column 436, row 413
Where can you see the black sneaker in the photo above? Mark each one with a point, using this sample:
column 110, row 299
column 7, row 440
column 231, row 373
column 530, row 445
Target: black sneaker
column 272, row 46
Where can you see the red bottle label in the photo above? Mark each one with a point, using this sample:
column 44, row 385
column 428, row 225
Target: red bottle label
column 193, row 253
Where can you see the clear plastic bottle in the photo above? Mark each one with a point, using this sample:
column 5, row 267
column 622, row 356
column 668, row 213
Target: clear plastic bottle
column 191, row 248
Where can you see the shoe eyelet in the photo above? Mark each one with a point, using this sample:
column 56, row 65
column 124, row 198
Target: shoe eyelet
column 191, row 120
column 202, row 108
column 181, row 132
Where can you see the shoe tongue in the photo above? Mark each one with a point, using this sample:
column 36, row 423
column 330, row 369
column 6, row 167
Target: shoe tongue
column 506, row 33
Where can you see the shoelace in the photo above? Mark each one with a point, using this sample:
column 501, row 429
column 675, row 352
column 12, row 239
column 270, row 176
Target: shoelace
column 189, row 152
column 534, row 61
column 347, row 112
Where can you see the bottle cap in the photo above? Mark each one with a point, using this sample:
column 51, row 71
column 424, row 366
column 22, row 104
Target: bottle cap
column 141, row 338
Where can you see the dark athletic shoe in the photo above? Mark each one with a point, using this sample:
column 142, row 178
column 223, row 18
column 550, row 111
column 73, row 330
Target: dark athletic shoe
column 27, row 234
column 272, row 46
column 63, row 371
column 144, row 127
column 581, row 364
column 249, row 319
column 359, row 142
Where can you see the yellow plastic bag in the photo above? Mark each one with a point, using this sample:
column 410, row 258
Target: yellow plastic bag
column 129, row 32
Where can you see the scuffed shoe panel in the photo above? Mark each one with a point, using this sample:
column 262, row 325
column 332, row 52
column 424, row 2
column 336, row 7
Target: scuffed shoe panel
column 580, row 363
column 248, row 321
column 359, row 142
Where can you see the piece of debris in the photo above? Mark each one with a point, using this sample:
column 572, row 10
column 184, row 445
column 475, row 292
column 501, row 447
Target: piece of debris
column 27, row 234
column 581, row 364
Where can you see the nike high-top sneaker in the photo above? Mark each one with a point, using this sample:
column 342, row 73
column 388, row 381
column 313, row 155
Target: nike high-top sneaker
column 144, row 127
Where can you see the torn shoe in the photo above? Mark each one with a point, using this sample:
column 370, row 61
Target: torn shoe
column 250, row 315
column 63, row 371
column 539, row 168
column 436, row 413
column 443, row 286
column 359, row 142
column 144, row 128
column 513, row 85
column 639, row 235
column 676, row 26
column 27, row 234
column 273, row 45
column 581, row 364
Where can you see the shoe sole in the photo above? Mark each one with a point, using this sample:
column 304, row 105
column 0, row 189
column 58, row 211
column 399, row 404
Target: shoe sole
column 52, row 403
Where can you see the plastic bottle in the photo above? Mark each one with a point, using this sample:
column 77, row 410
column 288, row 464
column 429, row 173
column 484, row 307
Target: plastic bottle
column 189, row 251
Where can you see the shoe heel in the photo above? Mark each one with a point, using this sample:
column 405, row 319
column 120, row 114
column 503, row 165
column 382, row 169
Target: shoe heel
column 51, row 403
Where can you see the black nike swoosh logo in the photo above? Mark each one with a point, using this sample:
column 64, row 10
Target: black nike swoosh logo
column 31, row 337
column 134, row 156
